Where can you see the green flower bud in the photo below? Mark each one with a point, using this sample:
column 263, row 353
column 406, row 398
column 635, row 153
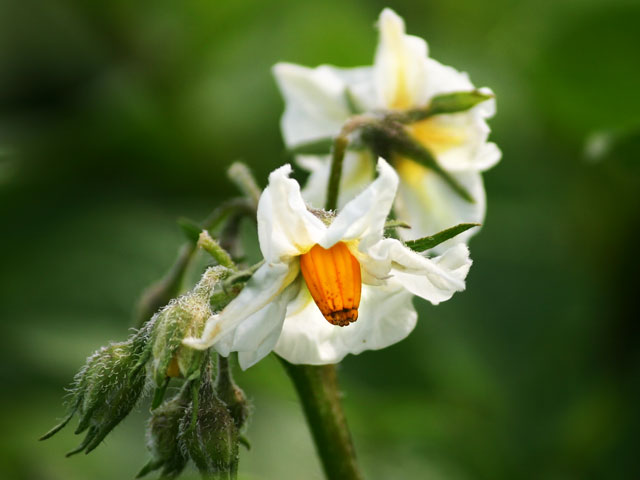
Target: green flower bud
column 163, row 441
column 209, row 433
column 106, row 389
column 182, row 317
column 231, row 394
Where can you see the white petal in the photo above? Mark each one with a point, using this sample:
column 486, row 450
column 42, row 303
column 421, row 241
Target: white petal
column 473, row 152
column 469, row 149
column 364, row 217
column 386, row 316
column 285, row 227
column 435, row 280
column 400, row 69
column 316, row 105
column 361, row 86
column 444, row 79
column 266, row 284
column 257, row 335
column 429, row 204
column 357, row 174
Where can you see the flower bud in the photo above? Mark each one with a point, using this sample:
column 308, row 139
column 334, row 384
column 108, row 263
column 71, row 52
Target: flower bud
column 182, row 317
column 231, row 394
column 209, row 433
column 106, row 389
column 163, row 437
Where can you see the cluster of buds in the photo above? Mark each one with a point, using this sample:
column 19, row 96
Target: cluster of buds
column 106, row 389
column 202, row 422
column 197, row 424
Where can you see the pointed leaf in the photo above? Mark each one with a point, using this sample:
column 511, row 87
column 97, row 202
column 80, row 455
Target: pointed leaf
column 425, row 243
column 455, row 102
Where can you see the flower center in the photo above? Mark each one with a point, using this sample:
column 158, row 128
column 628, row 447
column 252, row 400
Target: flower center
column 333, row 279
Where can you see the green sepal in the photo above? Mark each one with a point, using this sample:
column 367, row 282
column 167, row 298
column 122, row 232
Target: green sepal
column 158, row 394
column 149, row 467
column 60, row 426
column 396, row 224
column 425, row 243
column 454, row 102
column 457, row 101
column 389, row 138
column 352, row 102
column 244, row 441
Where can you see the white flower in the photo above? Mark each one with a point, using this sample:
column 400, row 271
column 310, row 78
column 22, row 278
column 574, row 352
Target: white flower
column 352, row 272
column 402, row 77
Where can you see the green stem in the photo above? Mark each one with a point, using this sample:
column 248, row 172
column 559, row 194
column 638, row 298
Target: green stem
column 340, row 145
column 333, row 187
column 317, row 387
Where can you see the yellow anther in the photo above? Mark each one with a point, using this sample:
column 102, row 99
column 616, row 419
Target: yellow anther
column 334, row 281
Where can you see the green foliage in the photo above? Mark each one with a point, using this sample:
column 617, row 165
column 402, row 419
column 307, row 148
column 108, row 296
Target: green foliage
column 426, row 243
column 446, row 103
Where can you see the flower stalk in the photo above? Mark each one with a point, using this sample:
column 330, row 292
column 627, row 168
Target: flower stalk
column 317, row 387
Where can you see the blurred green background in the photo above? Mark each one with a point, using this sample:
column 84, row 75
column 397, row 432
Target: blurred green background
column 118, row 117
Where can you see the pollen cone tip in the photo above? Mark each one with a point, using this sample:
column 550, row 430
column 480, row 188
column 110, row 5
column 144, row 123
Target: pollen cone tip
column 342, row 318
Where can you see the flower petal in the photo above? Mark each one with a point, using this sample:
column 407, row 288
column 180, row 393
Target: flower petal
column 266, row 284
column 429, row 205
column 458, row 141
column 364, row 217
column 316, row 105
column 399, row 69
column 435, row 280
column 285, row 227
column 254, row 338
column 386, row 317
column 472, row 150
column 360, row 84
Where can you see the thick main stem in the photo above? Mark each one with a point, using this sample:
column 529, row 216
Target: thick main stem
column 317, row 387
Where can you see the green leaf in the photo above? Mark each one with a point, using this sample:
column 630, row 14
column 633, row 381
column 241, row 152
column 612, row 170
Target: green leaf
column 446, row 103
column 320, row 146
column 457, row 101
column 425, row 243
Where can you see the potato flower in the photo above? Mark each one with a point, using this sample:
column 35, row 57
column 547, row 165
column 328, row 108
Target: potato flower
column 403, row 78
column 331, row 284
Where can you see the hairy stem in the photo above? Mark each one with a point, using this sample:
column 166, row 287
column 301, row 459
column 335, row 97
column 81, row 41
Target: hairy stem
column 317, row 387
